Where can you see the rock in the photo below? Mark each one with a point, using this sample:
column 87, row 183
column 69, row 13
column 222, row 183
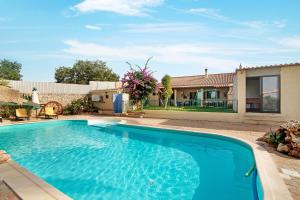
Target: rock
column 295, row 145
column 283, row 148
column 294, row 153
column 288, row 139
column 262, row 139
column 2, row 152
column 292, row 126
column 295, row 138
column 4, row 158
column 297, row 133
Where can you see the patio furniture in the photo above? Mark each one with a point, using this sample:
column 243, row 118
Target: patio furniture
column 179, row 103
column 21, row 113
column 49, row 112
column 57, row 107
column 253, row 104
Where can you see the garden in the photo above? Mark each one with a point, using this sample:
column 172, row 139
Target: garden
column 140, row 84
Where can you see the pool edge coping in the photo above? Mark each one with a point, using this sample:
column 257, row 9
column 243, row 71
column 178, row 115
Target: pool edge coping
column 26, row 185
column 273, row 186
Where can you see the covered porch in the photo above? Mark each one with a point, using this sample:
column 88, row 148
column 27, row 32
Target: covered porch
column 201, row 96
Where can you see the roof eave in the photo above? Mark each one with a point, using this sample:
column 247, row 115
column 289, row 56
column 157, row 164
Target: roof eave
column 269, row 66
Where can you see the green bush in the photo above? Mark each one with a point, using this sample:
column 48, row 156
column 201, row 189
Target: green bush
column 75, row 107
column 5, row 112
column 9, row 109
column 276, row 137
column 80, row 105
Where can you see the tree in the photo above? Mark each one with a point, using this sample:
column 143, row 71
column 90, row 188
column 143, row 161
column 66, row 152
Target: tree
column 64, row 75
column 167, row 89
column 139, row 83
column 10, row 70
column 83, row 72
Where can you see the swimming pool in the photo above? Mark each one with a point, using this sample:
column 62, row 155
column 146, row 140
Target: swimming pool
column 114, row 161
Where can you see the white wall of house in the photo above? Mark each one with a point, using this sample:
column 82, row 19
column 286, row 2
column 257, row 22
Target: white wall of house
column 290, row 92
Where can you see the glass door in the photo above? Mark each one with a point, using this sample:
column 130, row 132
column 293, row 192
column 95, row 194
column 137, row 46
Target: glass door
column 270, row 94
column 253, row 94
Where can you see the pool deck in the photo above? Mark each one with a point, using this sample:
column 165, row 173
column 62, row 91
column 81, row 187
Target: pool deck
column 288, row 167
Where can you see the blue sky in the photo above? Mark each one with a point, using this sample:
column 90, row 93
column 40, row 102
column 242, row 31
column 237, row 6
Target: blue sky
column 183, row 36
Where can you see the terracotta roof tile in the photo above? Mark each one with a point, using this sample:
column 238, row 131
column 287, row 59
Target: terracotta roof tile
column 212, row 80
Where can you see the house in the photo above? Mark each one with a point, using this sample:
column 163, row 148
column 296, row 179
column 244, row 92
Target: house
column 103, row 100
column 268, row 92
column 261, row 95
column 201, row 89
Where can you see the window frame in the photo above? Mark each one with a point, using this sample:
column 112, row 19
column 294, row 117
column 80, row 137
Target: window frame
column 261, row 92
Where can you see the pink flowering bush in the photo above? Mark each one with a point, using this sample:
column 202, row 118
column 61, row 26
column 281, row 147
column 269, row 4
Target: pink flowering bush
column 139, row 83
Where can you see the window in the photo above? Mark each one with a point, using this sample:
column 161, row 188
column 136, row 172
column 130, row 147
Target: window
column 270, row 94
column 225, row 94
column 263, row 94
column 193, row 95
column 101, row 99
column 212, row 94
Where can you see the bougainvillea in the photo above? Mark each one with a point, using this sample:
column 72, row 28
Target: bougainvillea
column 139, row 83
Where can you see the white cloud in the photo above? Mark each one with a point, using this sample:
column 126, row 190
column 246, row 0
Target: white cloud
column 255, row 24
column 292, row 42
column 163, row 27
column 280, row 24
column 264, row 24
column 216, row 56
column 124, row 7
column 96, row 50
column 184, row 54
column 209, row 13
column 93, row 27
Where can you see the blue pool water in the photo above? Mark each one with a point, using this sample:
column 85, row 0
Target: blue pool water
column 129, row 162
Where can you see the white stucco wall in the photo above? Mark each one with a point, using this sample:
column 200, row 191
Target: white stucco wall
column 290, row 92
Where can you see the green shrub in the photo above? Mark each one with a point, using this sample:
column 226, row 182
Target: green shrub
column 75, row 107
column 9, row 109
column 276, row 137
column 80, row 105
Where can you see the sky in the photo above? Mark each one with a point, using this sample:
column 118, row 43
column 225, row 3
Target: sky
column 183, row 36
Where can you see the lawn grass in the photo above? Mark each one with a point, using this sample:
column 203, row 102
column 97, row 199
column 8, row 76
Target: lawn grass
column 191, row 109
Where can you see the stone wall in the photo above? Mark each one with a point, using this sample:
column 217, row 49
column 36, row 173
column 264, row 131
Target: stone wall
column 10, row 95
column 63, row 99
